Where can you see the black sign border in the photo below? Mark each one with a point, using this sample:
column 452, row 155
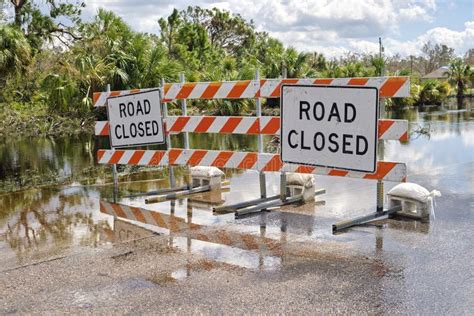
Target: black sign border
column 141, row 144
column 336, row 87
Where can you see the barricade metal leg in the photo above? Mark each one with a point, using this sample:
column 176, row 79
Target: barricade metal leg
column 114, row 169
column 178, row 194
column 363, row 219
column 283, row 186
column 168, row 138
column 380, row 145
column 258, row 110
column 233, row 207
column 283, row 174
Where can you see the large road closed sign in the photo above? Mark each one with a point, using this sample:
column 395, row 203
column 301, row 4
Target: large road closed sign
column 330, row 126
column 135, row 119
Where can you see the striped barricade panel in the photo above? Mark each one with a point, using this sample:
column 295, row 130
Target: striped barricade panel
column 180, row 227
column 389, row 87
column 266, row 125
column 388, row 171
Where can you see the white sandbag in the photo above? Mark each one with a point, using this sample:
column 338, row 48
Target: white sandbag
column 200, row 171
column 302, row 179
column 415, row 192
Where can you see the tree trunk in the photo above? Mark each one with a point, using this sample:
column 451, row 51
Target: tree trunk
column 18, row 5
column 460, row 88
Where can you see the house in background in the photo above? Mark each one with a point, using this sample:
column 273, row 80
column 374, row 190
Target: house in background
column 439, row 74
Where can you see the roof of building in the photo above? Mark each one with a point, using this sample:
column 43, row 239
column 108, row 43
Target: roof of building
column 439, row 73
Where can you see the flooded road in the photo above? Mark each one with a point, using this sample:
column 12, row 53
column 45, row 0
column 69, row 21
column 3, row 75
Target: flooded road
column 68, row 247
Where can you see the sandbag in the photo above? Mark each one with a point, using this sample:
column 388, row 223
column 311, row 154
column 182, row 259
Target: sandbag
column 200, row 171
column 415, row 192
column 302, row 179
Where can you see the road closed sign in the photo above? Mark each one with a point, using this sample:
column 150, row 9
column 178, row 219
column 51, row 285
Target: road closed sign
column 330, row 126
column 135, row 119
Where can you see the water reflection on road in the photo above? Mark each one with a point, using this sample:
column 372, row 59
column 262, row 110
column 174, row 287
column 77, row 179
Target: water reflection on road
column 40, row 223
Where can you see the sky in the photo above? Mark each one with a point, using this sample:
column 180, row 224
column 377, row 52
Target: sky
column 329, row 27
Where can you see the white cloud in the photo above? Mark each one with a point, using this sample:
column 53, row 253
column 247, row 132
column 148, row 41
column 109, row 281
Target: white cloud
column 330, row 27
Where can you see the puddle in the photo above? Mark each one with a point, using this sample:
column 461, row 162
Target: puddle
column 40, row 223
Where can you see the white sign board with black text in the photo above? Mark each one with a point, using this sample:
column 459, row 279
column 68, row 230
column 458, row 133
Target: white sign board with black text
column 330, row 126
column 135, row 119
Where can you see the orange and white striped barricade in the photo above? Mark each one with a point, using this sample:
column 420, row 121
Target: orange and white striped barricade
column 179, row 227
column 388, row 129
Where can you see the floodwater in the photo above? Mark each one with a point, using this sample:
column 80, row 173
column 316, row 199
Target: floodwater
column 56, row 203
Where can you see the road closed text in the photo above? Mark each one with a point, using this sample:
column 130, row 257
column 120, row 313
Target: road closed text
column 142, row 128
column 335, row 142
column 329, row 126
column 136, row 119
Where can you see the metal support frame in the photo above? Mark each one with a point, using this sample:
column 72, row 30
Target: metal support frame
column 263, row 206
column 114, row 167
column 364, row 219
column 160, row 191
column 380, row 149
column 234, row 207
column 274, row 201
column 261, row 175
column 184, row 110
column 168, row 137
column 380, row 144
column 177, row 194
column 283, row 173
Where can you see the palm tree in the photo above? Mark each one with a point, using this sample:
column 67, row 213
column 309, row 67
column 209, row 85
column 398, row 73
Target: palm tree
column 459, row 74
column 15, row 52
column 378, row 63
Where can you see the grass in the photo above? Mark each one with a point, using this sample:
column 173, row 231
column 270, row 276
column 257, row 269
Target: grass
column 35, row 120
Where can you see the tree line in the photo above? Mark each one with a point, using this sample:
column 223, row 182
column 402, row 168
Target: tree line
column 53, row 61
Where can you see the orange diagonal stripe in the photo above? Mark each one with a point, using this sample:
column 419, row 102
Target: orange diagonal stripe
column 186, row 90
column 323, row 81
column 224, row 238
column 105, row 129
column 238, row 89
column 180, row 123
column 358, row 81
column 222, row 159
column 272, row 126
column 384, row 125
column 211, row 90
column 391, row 86
column 383, row 168
column 138, row 214
column 100, row 153
column 204, row 124
column 137, row 155
column 276, row 92
column 274, row 164
column 158, row 219
column 404, row 137
column 116, row 156
column 305, row 169
column 95, row 96
column 118, row 210
column 173, row 155
column 338, row 173
column 196, row 157
column 230, row 124
column 156, row 159
column 248, row 162
column 167, row 88
column 255, row 128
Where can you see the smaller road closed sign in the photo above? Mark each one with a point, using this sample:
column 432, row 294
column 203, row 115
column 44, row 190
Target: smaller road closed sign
column 135, row 119
column 330, row 126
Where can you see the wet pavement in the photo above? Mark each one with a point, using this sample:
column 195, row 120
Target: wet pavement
column 62, row 250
